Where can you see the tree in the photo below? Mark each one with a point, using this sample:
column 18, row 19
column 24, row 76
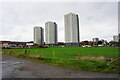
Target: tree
column 90, row 43
column 86, row 42
column 100, row 42
column 114, row 43
column 60, row 43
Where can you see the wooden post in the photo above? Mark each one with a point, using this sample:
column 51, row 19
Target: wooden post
column 36, row 51
column 29, row 52
column 3, row 52
column 10, row 52
column 25, row 53
column 53, row 54
column 79, row 56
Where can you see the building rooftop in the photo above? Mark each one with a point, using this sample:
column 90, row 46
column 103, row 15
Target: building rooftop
column 71, row 13
column 50, row 22
column 14, row 42
column 37, row 27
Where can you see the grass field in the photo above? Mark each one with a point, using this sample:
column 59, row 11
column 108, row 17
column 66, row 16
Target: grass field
column 79, row 58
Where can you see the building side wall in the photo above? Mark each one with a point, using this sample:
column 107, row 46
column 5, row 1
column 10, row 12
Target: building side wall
column 115, row 38
column 51, row 32
column 71, row 22
column 67, row 29
column 38, row 35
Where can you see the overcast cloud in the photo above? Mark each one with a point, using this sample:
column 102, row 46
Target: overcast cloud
column 97, row 19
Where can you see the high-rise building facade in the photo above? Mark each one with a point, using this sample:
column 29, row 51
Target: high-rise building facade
column 115, row 38
column 71, row 23
column 95, row 39
column 38, row 35
column 119, row 37
column 50, row 32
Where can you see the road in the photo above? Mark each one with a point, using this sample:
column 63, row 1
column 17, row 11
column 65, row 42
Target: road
column 18, row 68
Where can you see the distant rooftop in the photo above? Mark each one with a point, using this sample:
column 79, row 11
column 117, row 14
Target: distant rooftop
column 37, row 27
column 50, row 21
column 71, row 13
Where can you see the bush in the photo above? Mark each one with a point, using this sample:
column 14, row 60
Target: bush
column 45, row 46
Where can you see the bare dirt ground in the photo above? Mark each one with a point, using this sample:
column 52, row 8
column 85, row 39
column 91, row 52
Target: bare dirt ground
column 18, row 68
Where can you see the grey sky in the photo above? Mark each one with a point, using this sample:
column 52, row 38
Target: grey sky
column 97, row 19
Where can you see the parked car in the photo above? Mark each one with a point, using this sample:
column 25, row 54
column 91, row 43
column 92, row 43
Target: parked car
column 86, row 46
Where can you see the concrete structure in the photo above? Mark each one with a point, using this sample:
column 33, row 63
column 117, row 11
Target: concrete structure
column 119, row 36
column 51, row 33
column 115, row 38
column 71, row 22
column 38, row 35
column 95, row 39
column 15, row 44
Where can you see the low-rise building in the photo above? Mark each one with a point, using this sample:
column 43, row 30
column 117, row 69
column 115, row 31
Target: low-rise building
column 15, row 44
